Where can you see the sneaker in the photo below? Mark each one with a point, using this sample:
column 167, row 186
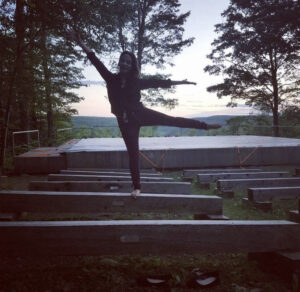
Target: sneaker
column 135, row 193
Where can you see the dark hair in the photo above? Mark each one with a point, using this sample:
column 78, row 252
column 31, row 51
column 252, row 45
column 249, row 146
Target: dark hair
column 134, row 72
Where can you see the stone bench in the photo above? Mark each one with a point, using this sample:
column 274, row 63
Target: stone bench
column 145, row 237
column 82, row 177
column 143, row 170
column 267, row 194
column 228, row 185
column 110, row 186
column 262, row 198
column 191, row 173
column 212, row 177
column 111, row 173
column 89, row 202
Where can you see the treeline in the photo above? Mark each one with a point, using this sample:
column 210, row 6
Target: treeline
column 89, row 121
column 38, row 64
column 258, row 125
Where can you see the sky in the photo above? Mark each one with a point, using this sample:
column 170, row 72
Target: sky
column 194, row 100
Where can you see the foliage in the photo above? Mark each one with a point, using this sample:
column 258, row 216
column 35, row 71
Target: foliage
column 258, row 53
column 155, row 96
column 38, row 65
column 291, row 118
column 153, row 30
column 250, row 125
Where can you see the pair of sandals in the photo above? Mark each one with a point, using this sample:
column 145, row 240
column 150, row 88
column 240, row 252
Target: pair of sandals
column 196, row 280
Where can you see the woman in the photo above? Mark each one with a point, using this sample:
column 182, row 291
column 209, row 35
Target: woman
column 124, row 96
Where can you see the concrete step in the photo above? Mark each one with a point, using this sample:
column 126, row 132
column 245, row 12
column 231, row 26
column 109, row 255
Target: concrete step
column 210, row 178
column 145, row 237
column 82, row 177
column 230, row 184
column 110, row 186
column 202, row 216
column 89, row 202
column 111, row 173
column 143, row 170
column 190, row 173
column 267, row 194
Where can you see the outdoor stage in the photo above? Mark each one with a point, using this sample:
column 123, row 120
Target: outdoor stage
column 164, row 153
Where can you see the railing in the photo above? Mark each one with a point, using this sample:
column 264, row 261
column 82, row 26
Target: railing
column 28, row 139
column 64, row 134
column 113, row 131
column 284, row 131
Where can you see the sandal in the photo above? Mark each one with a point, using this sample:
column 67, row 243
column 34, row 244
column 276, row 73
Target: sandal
column 154, row 280
column 204, row 279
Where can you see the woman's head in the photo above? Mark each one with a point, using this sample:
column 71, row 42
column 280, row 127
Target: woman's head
column 128, row 64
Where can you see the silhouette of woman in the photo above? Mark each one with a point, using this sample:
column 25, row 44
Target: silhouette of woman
column 124, row 96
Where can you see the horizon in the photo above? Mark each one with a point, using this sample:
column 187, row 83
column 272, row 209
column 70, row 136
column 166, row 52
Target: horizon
column 196, row 116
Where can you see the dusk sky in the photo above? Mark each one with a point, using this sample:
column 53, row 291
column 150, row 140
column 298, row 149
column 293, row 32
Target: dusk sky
column 194, row 101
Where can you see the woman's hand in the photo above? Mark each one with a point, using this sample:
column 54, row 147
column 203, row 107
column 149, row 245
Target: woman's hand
column 75, row 37
column 185, row 81
column 72, row 35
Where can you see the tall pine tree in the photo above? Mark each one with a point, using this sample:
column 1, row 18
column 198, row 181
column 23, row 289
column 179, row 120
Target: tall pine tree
column 153, row 30
column 257, row 52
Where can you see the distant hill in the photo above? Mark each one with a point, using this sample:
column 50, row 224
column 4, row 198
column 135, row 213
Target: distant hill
column 79, row 121
column 95, row 122
column 91, row 122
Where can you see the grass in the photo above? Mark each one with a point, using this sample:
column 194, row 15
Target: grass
column 119, row 273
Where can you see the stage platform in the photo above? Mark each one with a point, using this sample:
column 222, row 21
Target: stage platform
column 164, row 153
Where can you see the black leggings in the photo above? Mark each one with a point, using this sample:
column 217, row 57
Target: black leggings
column 147, row 117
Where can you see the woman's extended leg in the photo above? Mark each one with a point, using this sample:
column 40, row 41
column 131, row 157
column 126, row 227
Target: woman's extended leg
column 130, row 134
column 148, row 117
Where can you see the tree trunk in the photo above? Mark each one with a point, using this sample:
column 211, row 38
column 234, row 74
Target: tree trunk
column 142, row 12
column 20, row 30
column 47, row 86
column 276, row 123
column 273, row 63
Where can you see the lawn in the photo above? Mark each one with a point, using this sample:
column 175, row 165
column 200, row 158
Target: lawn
column 120, row 273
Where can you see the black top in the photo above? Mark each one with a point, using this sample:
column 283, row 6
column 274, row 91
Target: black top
column 127, row 98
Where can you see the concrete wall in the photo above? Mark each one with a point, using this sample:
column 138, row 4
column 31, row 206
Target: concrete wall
column 189, row 158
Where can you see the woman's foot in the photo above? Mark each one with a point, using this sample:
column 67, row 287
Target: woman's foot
column 135, row 193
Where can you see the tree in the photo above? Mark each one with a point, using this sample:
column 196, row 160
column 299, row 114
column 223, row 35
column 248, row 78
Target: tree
column 248, row 125
column 153, row 30
column 11, row 68
column 37, row 63
column 258, row 53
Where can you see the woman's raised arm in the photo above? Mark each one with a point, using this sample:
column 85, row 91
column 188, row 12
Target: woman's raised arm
column 104, row 72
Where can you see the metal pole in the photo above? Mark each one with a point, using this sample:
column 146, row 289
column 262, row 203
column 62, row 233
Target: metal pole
column 13, row 136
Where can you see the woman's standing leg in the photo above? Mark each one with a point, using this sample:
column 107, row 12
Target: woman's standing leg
column 130, row 133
